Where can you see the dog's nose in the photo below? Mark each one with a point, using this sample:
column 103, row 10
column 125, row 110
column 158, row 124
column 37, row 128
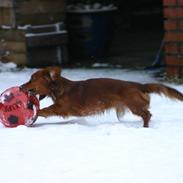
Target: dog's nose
column 23, row 87
column 32, row 91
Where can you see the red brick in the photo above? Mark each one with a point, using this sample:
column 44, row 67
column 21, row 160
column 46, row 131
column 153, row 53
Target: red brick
column 171, row 71
column 170, row 25
column 181, row 49
column 180, row 25
column 173, row 12
column 180, row 2
column 169, row 2
column 174, row 36
column 174, row 71
column 174, row 60
column 171, row 48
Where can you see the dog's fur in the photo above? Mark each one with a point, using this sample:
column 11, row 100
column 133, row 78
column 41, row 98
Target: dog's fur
column 94, row 96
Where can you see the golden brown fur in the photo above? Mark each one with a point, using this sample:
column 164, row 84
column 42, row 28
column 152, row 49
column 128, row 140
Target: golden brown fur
column 93, row 96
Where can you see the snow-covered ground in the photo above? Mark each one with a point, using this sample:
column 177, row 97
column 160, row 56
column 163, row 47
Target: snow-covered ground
column 96, row 149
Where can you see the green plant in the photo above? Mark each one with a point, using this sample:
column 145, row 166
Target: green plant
column 173, row 79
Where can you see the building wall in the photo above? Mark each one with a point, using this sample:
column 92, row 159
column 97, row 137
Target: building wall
column 173, row 25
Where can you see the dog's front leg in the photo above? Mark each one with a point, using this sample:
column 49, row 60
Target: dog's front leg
column 53, row 110
column 47, row 111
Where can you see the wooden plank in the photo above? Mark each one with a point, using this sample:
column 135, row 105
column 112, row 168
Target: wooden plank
column 18, row 58
column 6, row 3
column 46, row 11
column 42, row 6
column 39, row 18
column 7, row 16
column 12, row 35
column 18, row 47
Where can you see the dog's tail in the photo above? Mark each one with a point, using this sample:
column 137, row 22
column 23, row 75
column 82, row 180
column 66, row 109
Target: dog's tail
column 162, row 89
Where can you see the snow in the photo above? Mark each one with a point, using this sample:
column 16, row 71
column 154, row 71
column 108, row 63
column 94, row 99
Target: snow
column 46, row 33
column 96, row 149
column 89, row 8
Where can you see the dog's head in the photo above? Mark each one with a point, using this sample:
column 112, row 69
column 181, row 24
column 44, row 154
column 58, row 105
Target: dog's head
column 41, row 81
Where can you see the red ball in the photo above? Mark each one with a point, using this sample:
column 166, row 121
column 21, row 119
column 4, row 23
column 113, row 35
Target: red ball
column 18, row 107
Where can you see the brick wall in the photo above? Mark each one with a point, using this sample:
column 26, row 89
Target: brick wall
column 173, row 25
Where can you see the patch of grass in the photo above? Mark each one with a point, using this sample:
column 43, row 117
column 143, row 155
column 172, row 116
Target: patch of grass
column 173, row 79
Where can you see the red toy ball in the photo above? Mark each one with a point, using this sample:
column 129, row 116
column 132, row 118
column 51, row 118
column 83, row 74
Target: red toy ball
column 18, row 107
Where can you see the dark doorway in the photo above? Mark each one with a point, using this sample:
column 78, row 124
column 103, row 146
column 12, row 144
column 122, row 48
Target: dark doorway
column 139, row 32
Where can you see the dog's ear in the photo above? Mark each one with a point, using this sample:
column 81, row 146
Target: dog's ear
column 53, row 72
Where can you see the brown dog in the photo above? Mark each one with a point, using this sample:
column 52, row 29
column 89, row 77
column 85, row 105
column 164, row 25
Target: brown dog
column 94, row 96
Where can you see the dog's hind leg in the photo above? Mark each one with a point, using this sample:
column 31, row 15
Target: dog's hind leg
column 139, row 106
column 144, row 113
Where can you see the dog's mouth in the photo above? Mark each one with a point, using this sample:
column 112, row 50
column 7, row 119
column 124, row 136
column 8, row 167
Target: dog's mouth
column 38, row 96
column 35, row 93
column 41, row 97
